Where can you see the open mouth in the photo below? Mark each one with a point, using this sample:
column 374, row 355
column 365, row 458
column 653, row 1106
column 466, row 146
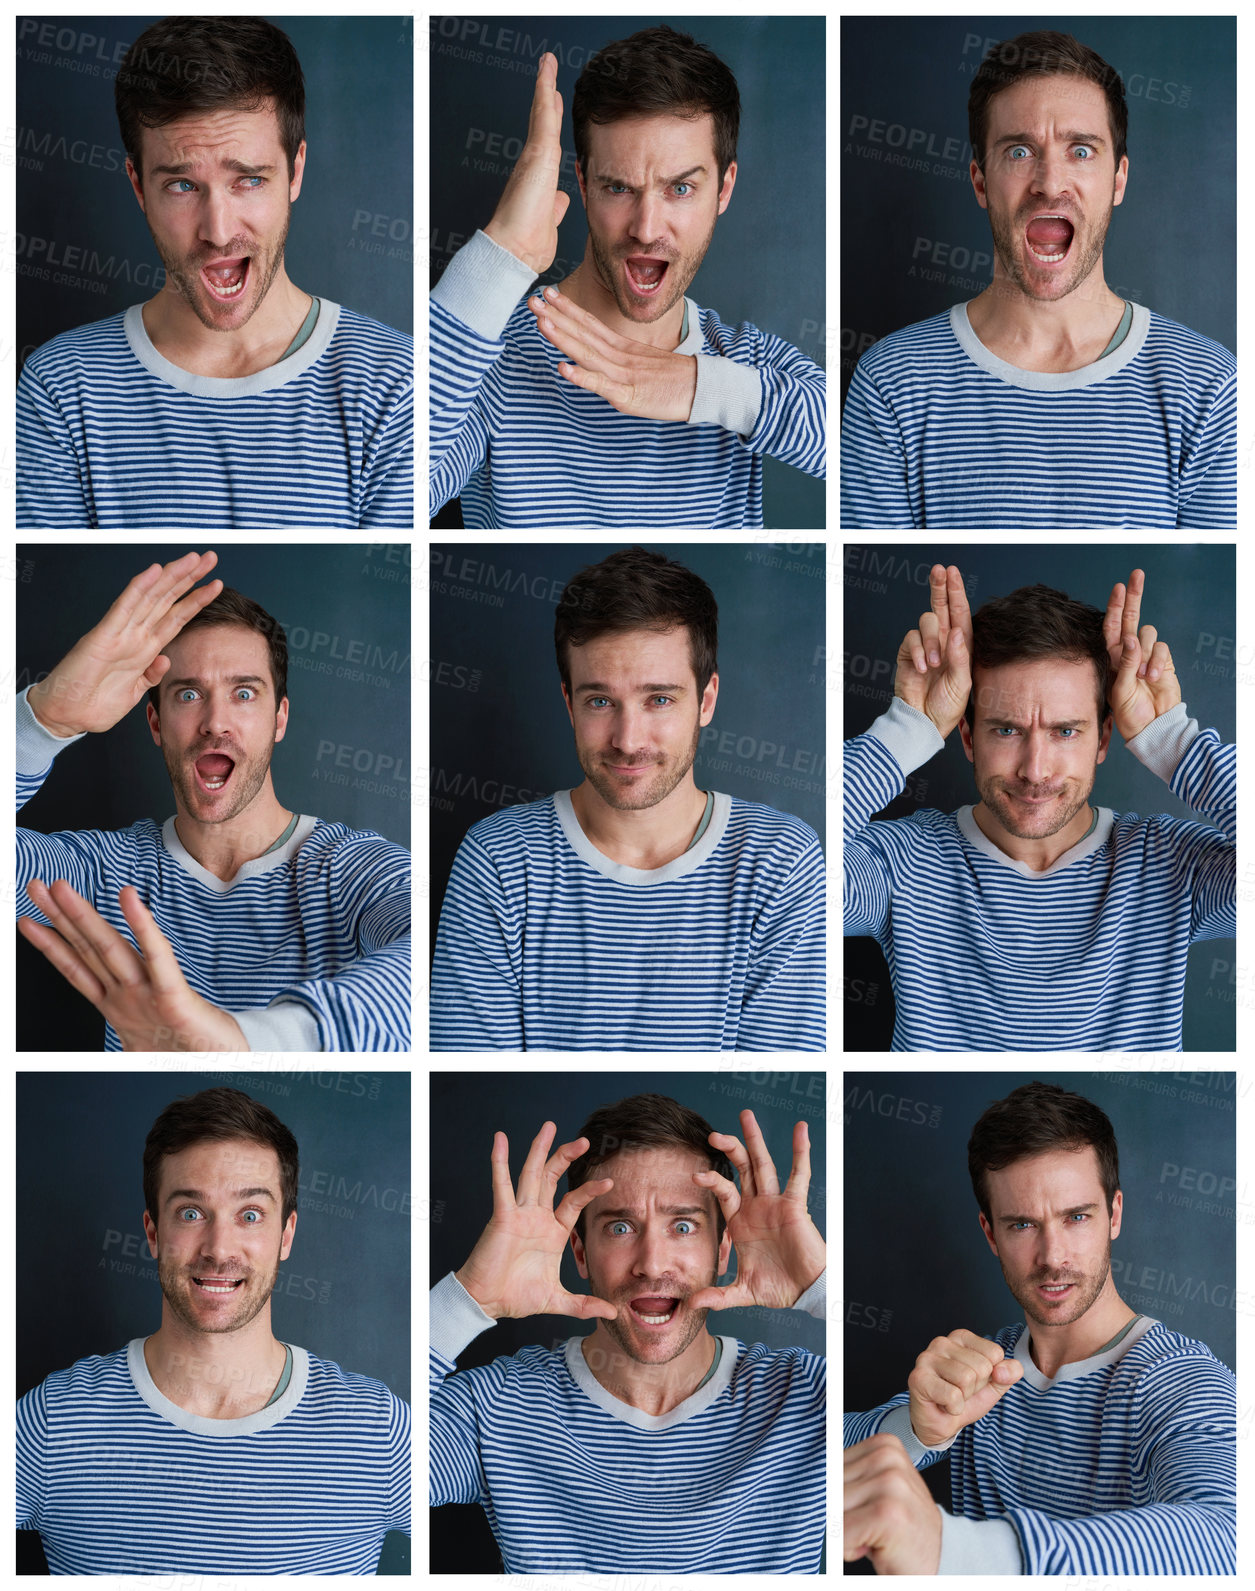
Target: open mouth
column 653, row 1311
column 1054, row 1291
column 1049, row 238
column 226, row 279
column 217, row 1284
column 645, row 274
column 213, row 771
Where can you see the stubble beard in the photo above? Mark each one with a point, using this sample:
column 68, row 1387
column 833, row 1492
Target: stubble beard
column 1022, row 823
column 250, row 772
column 189, row 283
column 175, row 1279
column 637, row 797
column 694, row 1325
column 1093, row 239
column 680, row 273
column 1089, row 1287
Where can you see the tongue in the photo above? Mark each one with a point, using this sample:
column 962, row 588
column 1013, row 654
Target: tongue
column 1046, row 230
column 225, row 275
column 653, row 1306
column 213, row 767
column 647, row 272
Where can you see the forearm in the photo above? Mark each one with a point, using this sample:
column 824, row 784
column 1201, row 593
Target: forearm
column 456, row 1320
column 1161, row 1538
column 365, row 1007
column 894, row 1418
column 1195, row 763
column 777, row 409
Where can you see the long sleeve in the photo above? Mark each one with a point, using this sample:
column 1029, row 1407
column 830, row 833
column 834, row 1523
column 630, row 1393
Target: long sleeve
column 875, row 480
column 32, row 1434
column 1209, row 476
column 457, row 1475
column 776, row 404
column 71, row 856
column 51, row 492
column 387, row 498
column 477, row 975
column 875, row 767
column 784, row 991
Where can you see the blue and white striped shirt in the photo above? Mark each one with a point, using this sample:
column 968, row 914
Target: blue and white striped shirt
column 546, row 944
column 986, row 954
column 117, row 1479
column 308, row 947
column 111, row 435
column 573, row 1480
column 1124, row 1463
column 524, row 447
column 940, row 432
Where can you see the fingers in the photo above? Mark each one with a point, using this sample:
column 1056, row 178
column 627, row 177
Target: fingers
column 151, row 594
column 734, row 1296
column 956, row 598
column 1133, row 603
column 584, row 1306
column 544, row 121
column 1113, row 619
column 1128, row 666
column 184, row 610
column 529, row 1177
column 80, row 925
column 800, row 1173
column 63, row 958
column 939, row 595
column 1146, row 638
column 577, row 1199
column 933, row 638
column 160, row 963
column 913, row 648
column 1161, row 664
column 723, row 1190
column 502, row 1187
column 759, row 1155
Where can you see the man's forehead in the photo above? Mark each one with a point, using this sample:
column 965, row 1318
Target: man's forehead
column 1057, row 687
column 213, row 135
column 1058, row 95
column 631, row 651
column 645, row 1175
column 1068, row 1176
column 233, row 642
column 637, row 146
column 221, row 1159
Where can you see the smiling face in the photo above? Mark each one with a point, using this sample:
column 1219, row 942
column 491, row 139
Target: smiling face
column 637, row 715
column 1035, row 744
column 1051, row 1231
column 218, row 1234
column 216, row 193
column 218, row 720
column 649, row 1245
column 652, row 194
column 1050, row 183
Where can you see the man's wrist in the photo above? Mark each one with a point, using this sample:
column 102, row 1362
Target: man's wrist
column 39, row 702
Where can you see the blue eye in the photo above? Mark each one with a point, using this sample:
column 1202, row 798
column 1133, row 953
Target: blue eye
column 183, row 1214
column 619, row 1228
column 255, row 1214
column 1016, row 150
column 184, row 695
column 247, row 692
column 665, row 700
column 685, row 1227
column 687, row 185
column 1084, row 149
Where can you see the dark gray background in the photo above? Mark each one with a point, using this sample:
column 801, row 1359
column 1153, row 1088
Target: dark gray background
column 766, row 262
column 921, row 1267
column 336, row 603
column 344, row 1291
column 467, row 1108
column 1189, row 598
column 352, row 227
column 911, row 236
column 499, row 727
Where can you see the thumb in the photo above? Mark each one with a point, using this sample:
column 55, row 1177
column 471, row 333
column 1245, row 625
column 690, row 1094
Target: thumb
column 1130, row 657
column 560, row 202
column 1002, row 1379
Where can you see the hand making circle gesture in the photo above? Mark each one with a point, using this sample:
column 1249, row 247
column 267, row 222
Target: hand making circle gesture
column 935, row 661
column 514, row 1269
column 530, row 209
column 1144, row 681
column 779, row 1252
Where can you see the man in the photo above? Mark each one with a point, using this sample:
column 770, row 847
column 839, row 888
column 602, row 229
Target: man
column 614, row 399
column 1048, row 399
column 1091, row 1439
column 649, row 1446
column 210, row 1447
column 1031, row 920
column 635, row 912
column 256, row 928
column 233, row 397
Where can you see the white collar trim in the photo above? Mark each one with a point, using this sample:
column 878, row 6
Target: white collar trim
column 305, row 826
column 705, row 1395
column 1093, row 841
column 231, row 386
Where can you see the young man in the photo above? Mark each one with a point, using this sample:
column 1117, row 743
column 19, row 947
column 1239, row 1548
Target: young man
column 988, row 915
column 257, row 928
column 211, row 1447
column 614, row 400
column 233, row 397
column 587, row 1456
column 1089, row 1440
column 1048, row 399
column 635, row 912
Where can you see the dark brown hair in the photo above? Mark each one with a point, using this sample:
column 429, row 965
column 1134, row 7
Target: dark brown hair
column 1035, row 622
column 1032, row 1119
column 216, row 1115
column 638, row 590
column 186, row 64
column 645, row 1121
column 657, row 72
column 230, row 607
column 1043, row 54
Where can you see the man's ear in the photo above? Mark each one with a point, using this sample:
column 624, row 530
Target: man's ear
column 709, row 697
column 978, row 185
column 725, row 190
column 566, row 697
column 281, row 720
column 137, row 183
column 965, row 734
column 579, row 1254
column 988, row 1231
column 579, row 177
column 1104, row 738
column 725, row 1253
column 150, row 1232
column 154, row 723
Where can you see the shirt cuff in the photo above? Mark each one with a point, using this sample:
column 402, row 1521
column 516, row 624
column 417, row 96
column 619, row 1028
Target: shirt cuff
column 456, row 1318
column 1164, row 741
column 482, row 285
column 728, row 394
column 979, row 1546
column 909, row 736
column 815, row 1299
column 898, row 1423
column 286, row 1025
column 36, row 746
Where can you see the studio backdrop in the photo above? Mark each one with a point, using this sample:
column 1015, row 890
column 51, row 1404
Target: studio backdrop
column 83, row 249
column 346, row 754
column 499, row 727
column 914, row 239
column 344, row 1291
column 1189, row 598
column 467, row 1108
column 766, row 262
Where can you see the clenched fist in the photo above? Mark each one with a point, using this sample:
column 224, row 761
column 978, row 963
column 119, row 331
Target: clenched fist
column 955, row 1381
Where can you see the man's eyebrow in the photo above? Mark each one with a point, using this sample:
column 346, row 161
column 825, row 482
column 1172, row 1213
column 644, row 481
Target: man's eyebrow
column 1068, row 138
column 182, row 167
column 1073, row 1209
column 597, row 685
column 1018, row 723
column 238, row 1193
column 232, row 679
column 663, row 1209
column 693, row 171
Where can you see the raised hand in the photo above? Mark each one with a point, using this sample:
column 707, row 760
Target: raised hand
column 532, row 206
column 935, row 661
column 145, row 998
column 514, row 1269
column 889, row 1516
column 779, row 1252
column 101, row 678
column 651, row 383
column 956, row 1380
column 1144, row 680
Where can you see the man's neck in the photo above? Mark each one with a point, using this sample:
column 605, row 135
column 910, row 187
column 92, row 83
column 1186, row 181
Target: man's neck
column 654, row 1389
column 586, row 290
column 647, row 839
column 223, row 848
column 220, row 1375
column 1035, row 854
column 179, row 335
column 1052, row 1347
column 1032, row 334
